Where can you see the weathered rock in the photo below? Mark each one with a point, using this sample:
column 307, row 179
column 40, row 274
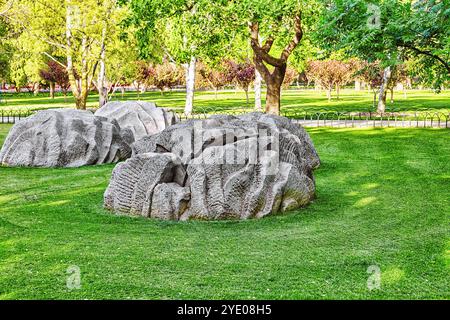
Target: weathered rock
column 224, row 167
column 139, row 117
column 63, row 138
column 132, row 187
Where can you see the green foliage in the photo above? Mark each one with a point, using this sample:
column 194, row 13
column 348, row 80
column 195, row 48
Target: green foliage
column 390, row 31
column 276, row 18
column 178, row 29
column 18, row 76
column 6, row 50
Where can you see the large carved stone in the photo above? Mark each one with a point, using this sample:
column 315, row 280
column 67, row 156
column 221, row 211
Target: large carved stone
column 224, row 167
column 64, row 138
column 139, row 117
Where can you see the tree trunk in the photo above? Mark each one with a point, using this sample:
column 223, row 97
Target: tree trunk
column 246, row 97
column 215, row 93
column 102, row 96
column 357, row 85
column 80, row 100
column 52, row 90
column 261, row 57
column 257, row 84
column 383, row 90
column 338, row 90
column 101, row 80
column 408, row 83
column 102, row 87
column 374, row 98
column 36, row 88
column 79, row 94
column 274, row 81
column 381, row 108
column 122, row 91
column 392, row 95
column 273, row 97
column 190, row 86
column 329, row 93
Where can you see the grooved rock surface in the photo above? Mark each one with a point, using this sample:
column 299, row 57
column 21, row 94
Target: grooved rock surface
column 139, row 118
column 64, row 138
column 224, row 167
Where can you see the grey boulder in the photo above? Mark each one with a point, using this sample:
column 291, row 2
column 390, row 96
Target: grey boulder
column 64, row 138
column 139, row 118
column 224, row 167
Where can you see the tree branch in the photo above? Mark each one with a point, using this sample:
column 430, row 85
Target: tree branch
column 258, row 50
column 54, row 59
column 268, row 44
column 8, row 7
column 429, row 54
column 298, row 35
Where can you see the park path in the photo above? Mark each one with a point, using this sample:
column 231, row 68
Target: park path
column 373, row 123
column 314, row 123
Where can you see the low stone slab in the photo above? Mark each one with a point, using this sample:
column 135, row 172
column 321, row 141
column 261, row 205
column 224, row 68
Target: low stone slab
column 64, row 138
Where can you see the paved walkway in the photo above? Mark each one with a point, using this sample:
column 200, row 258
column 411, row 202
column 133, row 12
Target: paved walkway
column 374, row 123
column 336, row 123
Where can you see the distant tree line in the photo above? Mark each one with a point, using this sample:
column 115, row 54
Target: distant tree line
column 82, row 46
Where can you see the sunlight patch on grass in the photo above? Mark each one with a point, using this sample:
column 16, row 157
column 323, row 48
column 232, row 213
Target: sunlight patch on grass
column 8, row 198
column 370, row 186
column 364, row 202
column 57, row 203
column 392, row 275
column 447, row 255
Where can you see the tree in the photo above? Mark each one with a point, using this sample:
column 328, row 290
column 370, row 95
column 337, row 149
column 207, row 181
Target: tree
column 217, row 76
column 275, row 14
column 144, row 72
column 243, row 74
column 121, row 63
column 182, row 31
column 72, row 29
column 115, row 47
column 54, row 73
column 389, row 31
column 372, row 74
column 275, row 29
column 425, row 30
column 165, row 75
column 399, row 76
column 331, row 74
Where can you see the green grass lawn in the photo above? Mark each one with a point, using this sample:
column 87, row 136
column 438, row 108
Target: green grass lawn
column 229, row 100
column 382, row 199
